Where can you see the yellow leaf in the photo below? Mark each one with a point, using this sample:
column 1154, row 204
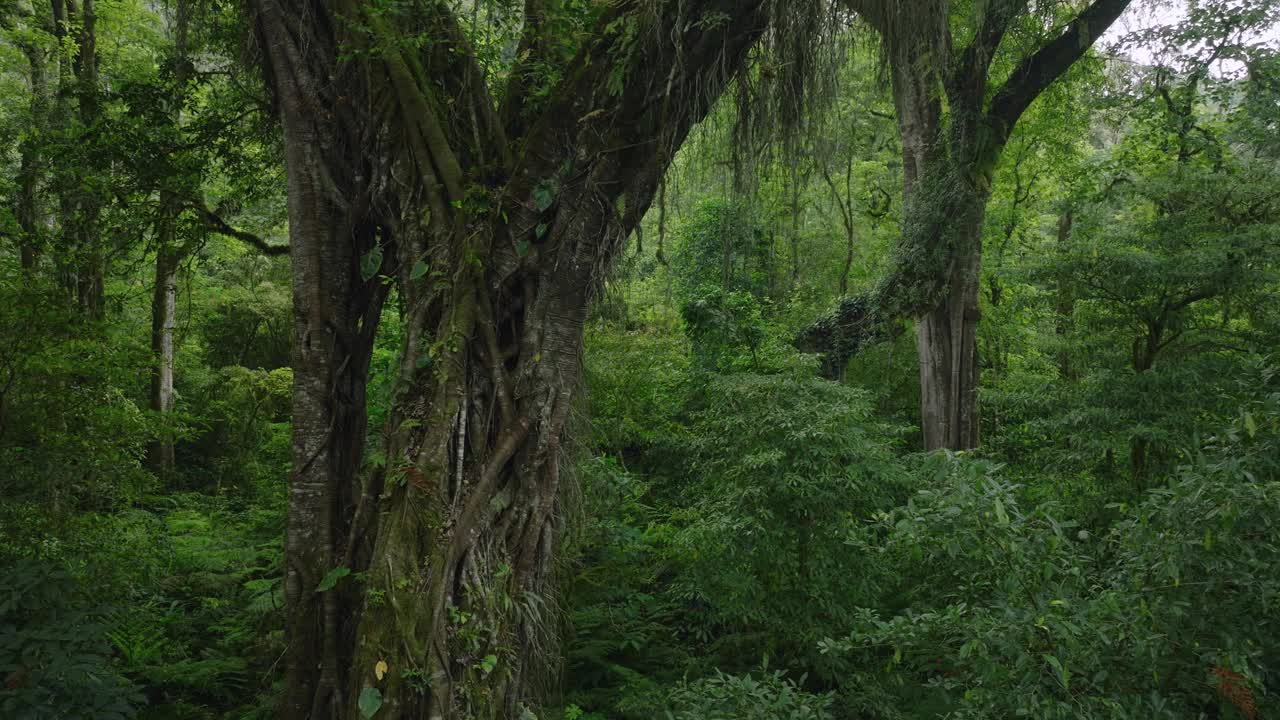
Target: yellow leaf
column 380, row 669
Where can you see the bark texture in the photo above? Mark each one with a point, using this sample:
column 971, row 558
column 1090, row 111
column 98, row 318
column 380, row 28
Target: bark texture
column 497, row 224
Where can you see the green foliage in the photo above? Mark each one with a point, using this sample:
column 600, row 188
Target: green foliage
column 1017, row 610
column 53, row 654
column 71, row 431
column 728, row 697
column 781, row 465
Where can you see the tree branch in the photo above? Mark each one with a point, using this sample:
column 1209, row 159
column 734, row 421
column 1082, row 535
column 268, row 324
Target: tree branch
column 1039, row 70
column 215, row 223
column 968, row 77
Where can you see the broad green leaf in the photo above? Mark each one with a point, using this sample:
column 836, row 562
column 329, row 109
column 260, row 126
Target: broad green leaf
column 419, row 269
column 370, row 702
column 371, row 262
column 332, row 578
column 544, row 195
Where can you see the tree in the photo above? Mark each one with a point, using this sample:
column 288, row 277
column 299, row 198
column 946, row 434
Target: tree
column 1177, row 246
column 496, row 222
column 954, row 123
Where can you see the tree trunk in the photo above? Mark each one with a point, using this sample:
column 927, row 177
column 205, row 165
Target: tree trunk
column 85, row 274
column 164, row 306
column 497, row 245
column 943, row 209
column 1065, row 307
column 29, row 213
column 164, row 301
column 946, row 342
column 1145, row 349
column 947, row 171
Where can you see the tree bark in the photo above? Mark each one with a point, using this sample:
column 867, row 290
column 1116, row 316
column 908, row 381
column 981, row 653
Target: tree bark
column 946, row 343
column 499, row 232
column 944, row 201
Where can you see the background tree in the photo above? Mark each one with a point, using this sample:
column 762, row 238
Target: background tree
column 948, row 161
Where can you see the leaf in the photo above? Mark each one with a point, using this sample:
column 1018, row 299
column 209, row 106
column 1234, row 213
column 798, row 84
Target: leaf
column 522, row 248
column 419, row 269
column 370, row 702
column 544, row 195
column 1001, row 515
column 489, row 663
column 540, row 230
column 371, row 262
column 1063, row 675
column 332, row 578
column 380, row 669
column 1250, row 425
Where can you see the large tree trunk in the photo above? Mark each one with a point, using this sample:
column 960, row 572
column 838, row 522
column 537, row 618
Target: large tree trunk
column 943, row 205
column 946, row 342
column 498, row 236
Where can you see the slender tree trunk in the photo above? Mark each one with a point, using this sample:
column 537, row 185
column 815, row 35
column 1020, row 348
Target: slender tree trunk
column 85, row 272
column 1065, row 307
column 794, row 234
column 164, row 306
column 169, row 254
column 1145, row 349
column 30, row 214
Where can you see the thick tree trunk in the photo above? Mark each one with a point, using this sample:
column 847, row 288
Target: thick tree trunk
column 460, row 608
column 336, row 314
column 946, row 342
column 336, row 311
column 943, row 208
column 947, row 170
column 454, row 540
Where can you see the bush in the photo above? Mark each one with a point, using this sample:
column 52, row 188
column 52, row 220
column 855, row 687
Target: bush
column 734, row 697
column 54, row 658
